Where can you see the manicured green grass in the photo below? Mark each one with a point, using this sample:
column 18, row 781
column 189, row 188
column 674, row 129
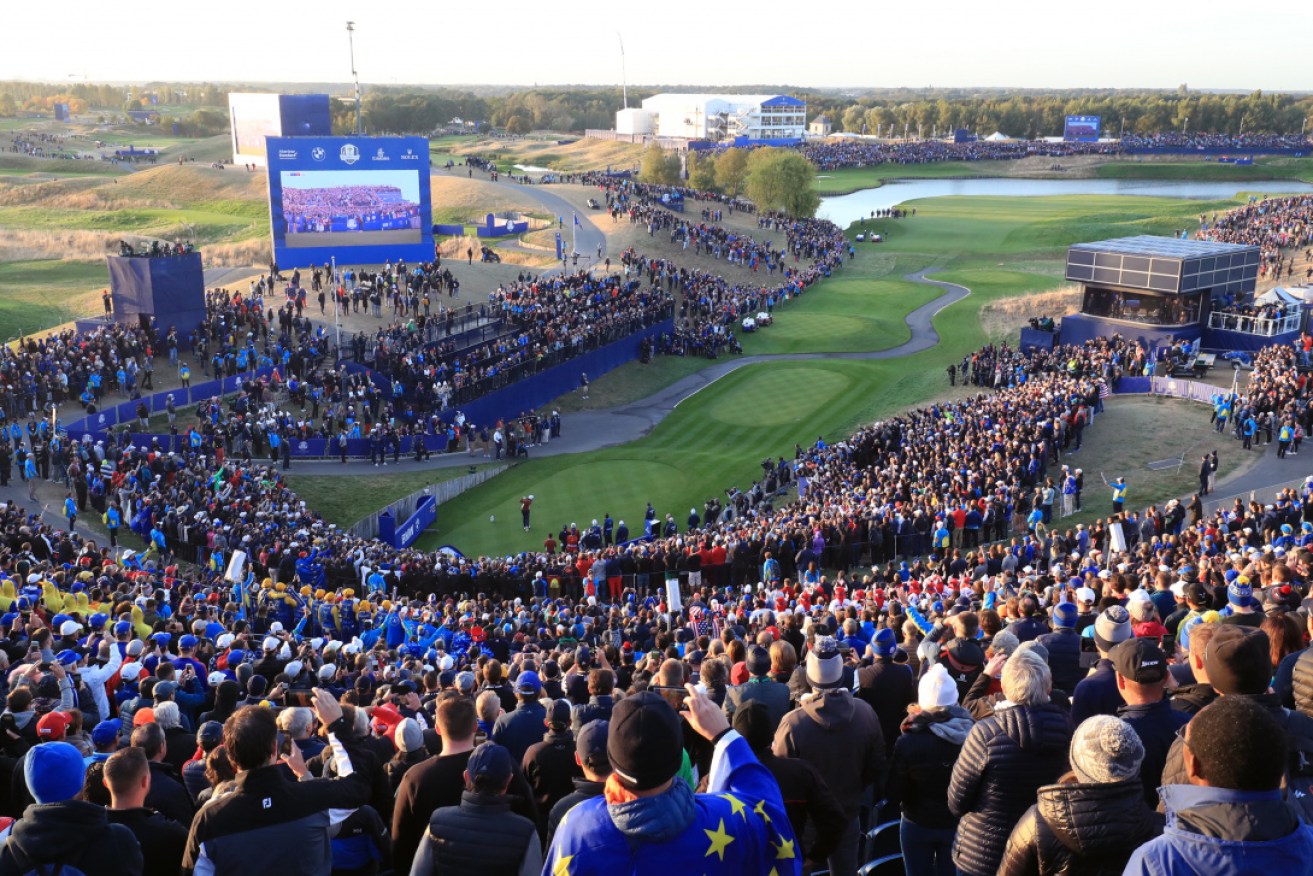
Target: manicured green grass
column 345, row 500
column 37, row 294
column 997, row 247
column 1262, row 169
column 851, row 179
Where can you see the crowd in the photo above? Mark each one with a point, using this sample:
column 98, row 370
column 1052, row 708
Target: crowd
column 347, row 208
column 1273, row 407
column 835, row 153
column 1280, row 227
column 749, row 694
column 832, row 154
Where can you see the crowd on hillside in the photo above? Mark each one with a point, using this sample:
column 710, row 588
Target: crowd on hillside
column 1280, row 227
column 832, row 154
column 869, row 650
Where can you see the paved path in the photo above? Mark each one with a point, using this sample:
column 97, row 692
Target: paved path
column 607, row 427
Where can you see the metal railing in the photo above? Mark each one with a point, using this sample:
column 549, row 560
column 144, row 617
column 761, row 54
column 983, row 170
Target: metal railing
column 402, row 509
column 1255, row 325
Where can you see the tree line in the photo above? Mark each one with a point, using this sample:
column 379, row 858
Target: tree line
column 779, row 180
column 889, row 112
column 1042, row 114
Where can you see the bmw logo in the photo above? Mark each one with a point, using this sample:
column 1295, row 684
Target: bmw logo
column 318, row 153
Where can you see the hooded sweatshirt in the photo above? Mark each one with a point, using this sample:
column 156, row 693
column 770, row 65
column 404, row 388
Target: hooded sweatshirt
column 840, row 736
column 73, row 833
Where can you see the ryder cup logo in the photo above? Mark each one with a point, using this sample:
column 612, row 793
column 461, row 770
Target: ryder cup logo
column 318, row 153
column 349, row 154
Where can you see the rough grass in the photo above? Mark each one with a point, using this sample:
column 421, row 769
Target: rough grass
column 1003, row 319
column 583, row 154
column 346, row 500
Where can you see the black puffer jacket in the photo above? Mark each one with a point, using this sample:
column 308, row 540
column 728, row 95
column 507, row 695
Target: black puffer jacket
column 923, row 765
column 1005, row 760
column 1081, row 830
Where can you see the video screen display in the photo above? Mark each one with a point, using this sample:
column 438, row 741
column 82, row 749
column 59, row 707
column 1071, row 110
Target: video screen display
column 351, row 207
column 360, row 200
column 1082, row 129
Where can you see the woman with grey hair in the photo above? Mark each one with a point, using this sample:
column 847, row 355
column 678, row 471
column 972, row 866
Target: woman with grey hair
column 1006, row 758
column 1095, row 816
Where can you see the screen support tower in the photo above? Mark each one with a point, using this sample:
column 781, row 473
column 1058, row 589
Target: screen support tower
column 351, row 43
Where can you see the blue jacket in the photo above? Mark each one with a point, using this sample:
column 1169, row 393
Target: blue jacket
column 739, row 827
column 1096, row 694
column 1220, row 832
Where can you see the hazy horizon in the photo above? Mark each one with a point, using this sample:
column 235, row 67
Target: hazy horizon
column 959, row 44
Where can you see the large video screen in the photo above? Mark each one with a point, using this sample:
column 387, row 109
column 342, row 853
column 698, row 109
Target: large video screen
column 253, row 117
column 1082, row 129
column 360, row 200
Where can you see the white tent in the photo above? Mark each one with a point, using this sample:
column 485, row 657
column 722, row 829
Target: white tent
column 998, row 135
column 1279, row 295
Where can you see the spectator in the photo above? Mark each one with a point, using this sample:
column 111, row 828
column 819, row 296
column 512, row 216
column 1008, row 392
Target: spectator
column 759, row 687
column 208, row 738
column 410, row 752
column 166, row 795
column 1191, row 698
column 481, row 835
column 601, row 684
column 1141, row 677
column 1097, row 693
column 162, row 841
column 1094, row 817
column 650, row 821
column 1229, row 817
column 840, row 736
column 1063, row 646
column 293, row 821
column 439, row 781
column 807, row 798
column 61, row 831
column 1004, row 761
column 1239, row 664
column 920, row 772
column 521, row 728
column 590, row 756
column 549, row 764
column 886, row 685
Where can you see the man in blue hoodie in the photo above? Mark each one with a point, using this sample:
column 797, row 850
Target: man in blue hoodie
column 649, row 821
column 1231, row 817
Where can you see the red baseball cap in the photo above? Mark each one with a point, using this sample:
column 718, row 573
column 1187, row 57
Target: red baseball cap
column 53, row 725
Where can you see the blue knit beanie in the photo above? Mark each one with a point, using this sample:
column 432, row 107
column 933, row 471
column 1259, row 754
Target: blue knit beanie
column 54, row 772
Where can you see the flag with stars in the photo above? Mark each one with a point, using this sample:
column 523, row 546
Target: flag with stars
column 739, row 827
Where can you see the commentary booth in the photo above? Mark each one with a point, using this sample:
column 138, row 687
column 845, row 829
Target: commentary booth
column 1162, row 289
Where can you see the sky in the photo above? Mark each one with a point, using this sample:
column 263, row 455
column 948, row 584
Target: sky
column 962, row 43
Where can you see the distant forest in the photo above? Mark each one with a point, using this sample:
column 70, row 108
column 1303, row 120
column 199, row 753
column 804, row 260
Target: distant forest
column 202, row 108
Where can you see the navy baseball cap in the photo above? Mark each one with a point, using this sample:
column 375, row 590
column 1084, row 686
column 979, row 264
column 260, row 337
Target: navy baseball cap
column 491, row 762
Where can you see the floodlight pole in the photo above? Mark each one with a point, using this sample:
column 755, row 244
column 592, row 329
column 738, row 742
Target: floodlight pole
column 351, row 43
column 624, row 79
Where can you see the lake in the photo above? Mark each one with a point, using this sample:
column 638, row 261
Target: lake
column 844, row 210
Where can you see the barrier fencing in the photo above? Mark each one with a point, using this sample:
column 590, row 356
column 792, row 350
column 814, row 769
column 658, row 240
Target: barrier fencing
column 403, row 509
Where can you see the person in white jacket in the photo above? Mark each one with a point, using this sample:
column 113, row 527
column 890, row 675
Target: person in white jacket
column 94, row 676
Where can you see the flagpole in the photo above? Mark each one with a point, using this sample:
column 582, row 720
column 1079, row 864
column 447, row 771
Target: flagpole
column 574, row 234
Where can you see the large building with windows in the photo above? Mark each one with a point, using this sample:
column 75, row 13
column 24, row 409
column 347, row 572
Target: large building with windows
column 718, row 118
